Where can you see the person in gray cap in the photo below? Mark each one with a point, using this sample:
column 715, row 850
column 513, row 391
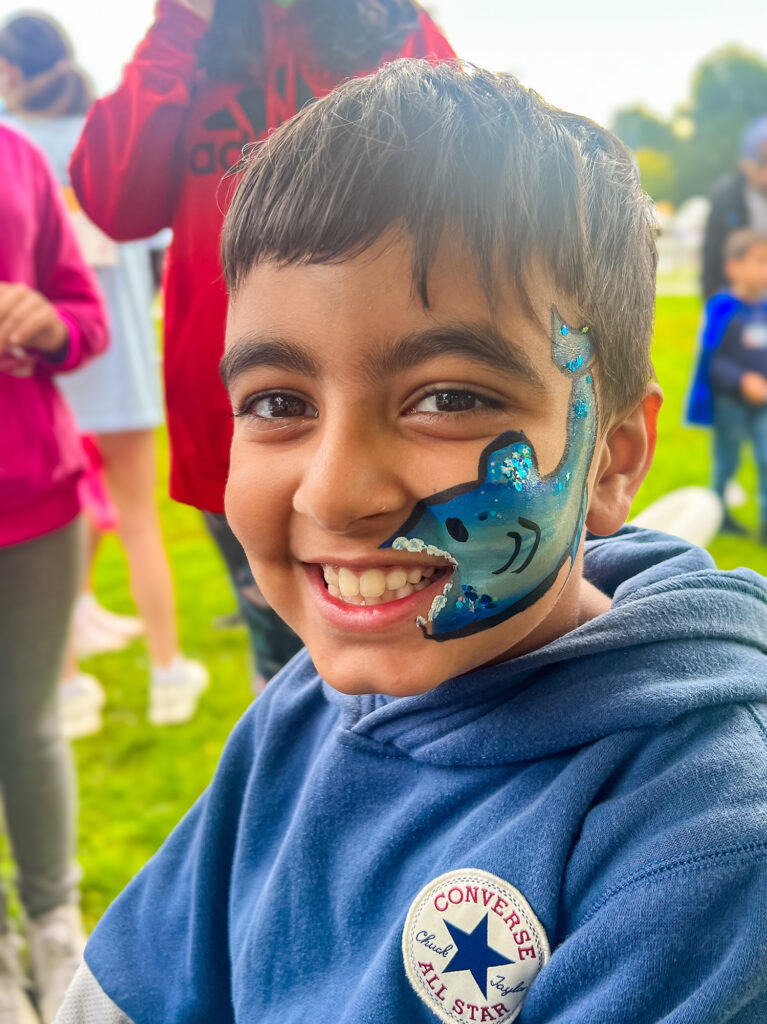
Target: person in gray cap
column 738, row 200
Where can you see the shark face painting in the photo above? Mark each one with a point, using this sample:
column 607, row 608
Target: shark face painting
column 510, row 531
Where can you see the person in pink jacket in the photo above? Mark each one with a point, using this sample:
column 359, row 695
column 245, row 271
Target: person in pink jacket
column 51, row 321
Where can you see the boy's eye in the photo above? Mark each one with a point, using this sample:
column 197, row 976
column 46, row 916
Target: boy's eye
column 278, row 405
column 452, row 401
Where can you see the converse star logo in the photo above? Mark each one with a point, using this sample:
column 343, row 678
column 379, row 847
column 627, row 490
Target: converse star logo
column 472, row 947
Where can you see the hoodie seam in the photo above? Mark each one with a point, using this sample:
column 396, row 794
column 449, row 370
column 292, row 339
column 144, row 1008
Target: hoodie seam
column 754, row 851
column 348, row 738
column 760, row 725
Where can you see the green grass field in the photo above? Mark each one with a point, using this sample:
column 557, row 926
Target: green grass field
column 136, row 781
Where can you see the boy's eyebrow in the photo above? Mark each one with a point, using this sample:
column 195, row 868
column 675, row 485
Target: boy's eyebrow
column 480, row 342
column 253, row 350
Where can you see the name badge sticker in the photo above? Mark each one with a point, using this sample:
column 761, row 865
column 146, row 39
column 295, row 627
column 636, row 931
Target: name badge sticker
column 755, row 335
column 472, row 947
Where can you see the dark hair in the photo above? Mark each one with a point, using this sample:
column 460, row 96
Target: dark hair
column 737, row 243
column 41, row 49
column 435, row 148
column 347, row 35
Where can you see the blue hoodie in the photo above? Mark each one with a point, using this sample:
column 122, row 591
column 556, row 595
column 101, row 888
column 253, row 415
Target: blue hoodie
column 576, row 835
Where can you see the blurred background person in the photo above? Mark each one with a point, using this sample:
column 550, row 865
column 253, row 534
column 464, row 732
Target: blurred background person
column 729, row 390
column 51, row 320
column 738, row 200
column 118, row 398
column 209, row 78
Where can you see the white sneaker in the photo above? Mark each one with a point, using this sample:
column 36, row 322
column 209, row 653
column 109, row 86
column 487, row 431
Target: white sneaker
column 89, row 608
column 56, row 942
column 82, row 698
column 91, row 638
column 175, row 691
column 15, row 1007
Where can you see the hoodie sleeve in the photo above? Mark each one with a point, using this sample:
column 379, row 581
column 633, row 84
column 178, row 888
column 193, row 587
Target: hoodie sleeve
column 126, row 167
column 161, row 950
column 717, row 316
column 681, row 944
column 86, row 1002
column 62, row 276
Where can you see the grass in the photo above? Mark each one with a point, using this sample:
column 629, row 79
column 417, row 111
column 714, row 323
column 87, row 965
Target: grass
column 136, row 781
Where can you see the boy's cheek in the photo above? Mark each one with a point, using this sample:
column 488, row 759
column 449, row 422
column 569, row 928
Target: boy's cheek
column 251, row 509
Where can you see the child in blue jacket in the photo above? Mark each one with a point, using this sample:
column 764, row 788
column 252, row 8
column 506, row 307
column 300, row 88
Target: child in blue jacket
column 520, row 772
column 729, row 390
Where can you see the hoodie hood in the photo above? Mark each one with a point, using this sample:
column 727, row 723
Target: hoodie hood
column 680, row 636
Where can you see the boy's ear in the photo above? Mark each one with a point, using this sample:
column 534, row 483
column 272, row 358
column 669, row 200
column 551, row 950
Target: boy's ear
column 622, row 460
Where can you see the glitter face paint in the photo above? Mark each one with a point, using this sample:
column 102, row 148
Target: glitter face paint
column 510, row 531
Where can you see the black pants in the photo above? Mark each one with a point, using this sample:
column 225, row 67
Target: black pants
column 273, row 643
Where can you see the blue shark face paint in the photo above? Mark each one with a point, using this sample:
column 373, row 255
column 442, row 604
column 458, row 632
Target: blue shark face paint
column 510, row 531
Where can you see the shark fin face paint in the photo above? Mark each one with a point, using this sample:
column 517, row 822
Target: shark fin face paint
column 510, row 531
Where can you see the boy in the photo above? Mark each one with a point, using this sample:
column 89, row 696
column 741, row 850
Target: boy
column 731, row 377
column 515, row 780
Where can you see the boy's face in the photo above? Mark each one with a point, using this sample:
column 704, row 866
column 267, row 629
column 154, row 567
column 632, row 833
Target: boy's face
column 355, row 403
column 749, row 273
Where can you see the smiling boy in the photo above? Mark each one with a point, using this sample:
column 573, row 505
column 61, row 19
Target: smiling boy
column 518, row 773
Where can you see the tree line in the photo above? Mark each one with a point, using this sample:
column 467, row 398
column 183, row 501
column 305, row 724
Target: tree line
column 683, row 156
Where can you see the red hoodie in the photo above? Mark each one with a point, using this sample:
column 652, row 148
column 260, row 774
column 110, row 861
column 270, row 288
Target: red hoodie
column 153, row 155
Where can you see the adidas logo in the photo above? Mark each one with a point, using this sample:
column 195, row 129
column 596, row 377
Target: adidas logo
column 208, row 158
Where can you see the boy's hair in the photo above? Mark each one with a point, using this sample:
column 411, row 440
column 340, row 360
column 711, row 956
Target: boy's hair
column 432, row 149
column 738, row 243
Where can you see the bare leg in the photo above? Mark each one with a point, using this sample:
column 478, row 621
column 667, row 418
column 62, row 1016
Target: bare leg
column 131, row 471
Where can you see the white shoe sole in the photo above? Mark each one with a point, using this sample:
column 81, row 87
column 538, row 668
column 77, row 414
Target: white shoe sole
column 86, row 725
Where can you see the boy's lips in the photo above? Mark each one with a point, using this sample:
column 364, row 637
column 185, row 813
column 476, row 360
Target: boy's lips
column 374, row 595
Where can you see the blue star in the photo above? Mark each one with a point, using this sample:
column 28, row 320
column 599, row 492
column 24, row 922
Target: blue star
column 474, row 953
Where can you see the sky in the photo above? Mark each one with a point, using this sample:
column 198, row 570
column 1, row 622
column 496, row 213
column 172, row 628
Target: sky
column 592, row 57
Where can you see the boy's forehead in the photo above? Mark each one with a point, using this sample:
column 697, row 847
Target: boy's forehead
column 371, row 298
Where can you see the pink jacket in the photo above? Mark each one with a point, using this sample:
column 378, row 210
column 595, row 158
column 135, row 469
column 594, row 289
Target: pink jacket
column 41, row 457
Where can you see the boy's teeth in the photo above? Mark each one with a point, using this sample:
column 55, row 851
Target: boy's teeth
column 373, row 583
column 348, row 582
column 376, row 586
column 395, row 579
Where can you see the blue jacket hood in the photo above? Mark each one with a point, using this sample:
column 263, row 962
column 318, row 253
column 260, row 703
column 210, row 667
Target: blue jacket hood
column 680, row 635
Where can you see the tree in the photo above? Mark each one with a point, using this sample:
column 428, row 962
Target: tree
column 728, row 89
column 657, row 172
column 640, row 129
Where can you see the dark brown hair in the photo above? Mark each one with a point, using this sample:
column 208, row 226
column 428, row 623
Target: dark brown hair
column 41, row 49
column 737, row 243
column 348, row 35
column 431, row 149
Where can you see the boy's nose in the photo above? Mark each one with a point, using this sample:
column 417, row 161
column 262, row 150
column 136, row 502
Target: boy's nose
column 350, row 481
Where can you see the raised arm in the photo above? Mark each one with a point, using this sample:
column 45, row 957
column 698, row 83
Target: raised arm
column 128, row 164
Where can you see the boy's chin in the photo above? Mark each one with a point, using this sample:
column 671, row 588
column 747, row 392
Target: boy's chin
column 394, row 675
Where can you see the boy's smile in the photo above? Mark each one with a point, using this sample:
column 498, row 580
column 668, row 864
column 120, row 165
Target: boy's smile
column 353, row 404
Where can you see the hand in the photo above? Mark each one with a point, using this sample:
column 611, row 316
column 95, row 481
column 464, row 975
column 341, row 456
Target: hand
column 753, row 387
column 205, row 8
column 28, row 320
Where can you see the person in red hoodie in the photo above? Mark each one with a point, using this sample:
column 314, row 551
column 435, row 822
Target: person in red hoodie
column 51, row 320
column 211, row 77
